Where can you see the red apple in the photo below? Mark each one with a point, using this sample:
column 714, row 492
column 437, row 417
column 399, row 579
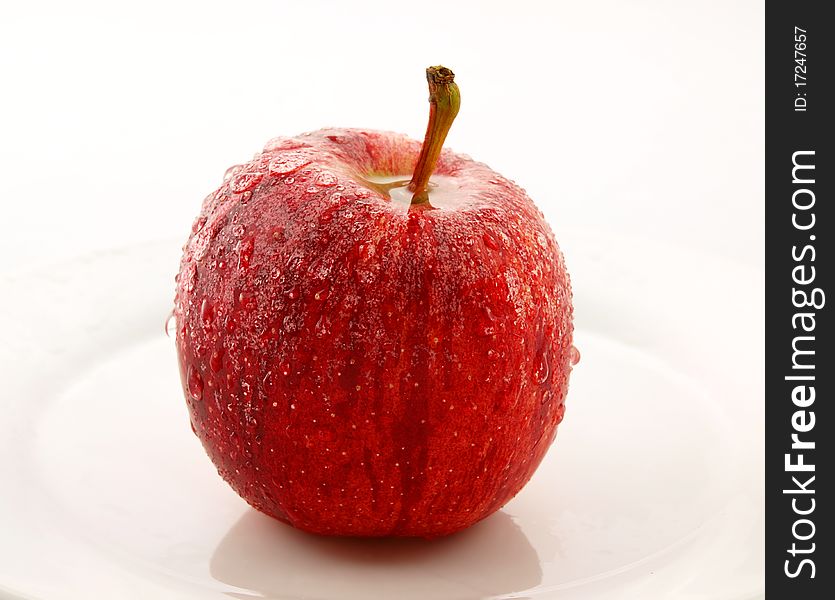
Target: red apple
column 369, row 352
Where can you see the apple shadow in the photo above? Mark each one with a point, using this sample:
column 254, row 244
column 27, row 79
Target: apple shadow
column 267, row 559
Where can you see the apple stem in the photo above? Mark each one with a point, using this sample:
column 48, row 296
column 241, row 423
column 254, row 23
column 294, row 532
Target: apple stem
column 444, row 102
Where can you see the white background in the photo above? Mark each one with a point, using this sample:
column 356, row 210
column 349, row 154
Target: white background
column 644, row 117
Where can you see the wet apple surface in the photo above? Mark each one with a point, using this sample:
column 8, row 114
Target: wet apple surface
column 357, row 364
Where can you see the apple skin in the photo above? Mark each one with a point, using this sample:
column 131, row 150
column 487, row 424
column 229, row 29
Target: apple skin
column 356, row 367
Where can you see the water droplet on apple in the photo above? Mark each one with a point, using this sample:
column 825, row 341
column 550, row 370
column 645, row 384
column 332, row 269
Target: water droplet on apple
column 487, row 326
column 559, row 414
column 287, row 163
column 312, row 190
column 216, row 360
column 245, row 251
column 198, row 224
column 247, row 301
column 191, row 277
column 206, row 313
column 195, row 384
column 574, row 355
column 490, row 241
column 268, row 382
column 244, row 182
column 542, row 240
column 322, row 326
column 230, row 172
column 325, row 179
column 543, row 369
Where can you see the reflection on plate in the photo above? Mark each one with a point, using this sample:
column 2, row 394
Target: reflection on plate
column 653, row 488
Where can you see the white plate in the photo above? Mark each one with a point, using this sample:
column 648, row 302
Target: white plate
column 653, row 488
